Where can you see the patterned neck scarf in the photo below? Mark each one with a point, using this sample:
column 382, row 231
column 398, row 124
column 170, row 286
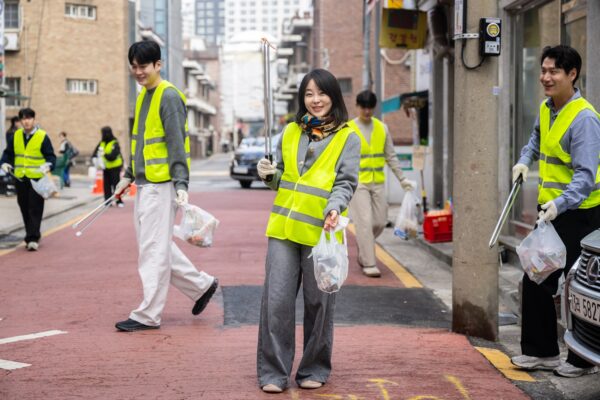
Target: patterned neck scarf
column 318, row 129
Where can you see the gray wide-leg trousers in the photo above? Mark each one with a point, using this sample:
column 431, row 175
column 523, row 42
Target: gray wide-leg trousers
column 288, row 266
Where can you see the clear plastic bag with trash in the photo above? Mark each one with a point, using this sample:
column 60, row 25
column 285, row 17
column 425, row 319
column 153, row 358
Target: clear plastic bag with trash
column 410, row 217
column 45, row 186
column 330, row 258
column 542, row 252
column 197, row 226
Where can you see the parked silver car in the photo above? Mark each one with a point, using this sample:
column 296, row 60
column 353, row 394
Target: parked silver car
column 582, row 291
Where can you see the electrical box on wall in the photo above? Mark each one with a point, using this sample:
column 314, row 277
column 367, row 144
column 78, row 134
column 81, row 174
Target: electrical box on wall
column 489, row 36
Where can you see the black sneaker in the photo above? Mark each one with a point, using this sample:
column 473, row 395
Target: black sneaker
column 202, row 302
column 131, row 326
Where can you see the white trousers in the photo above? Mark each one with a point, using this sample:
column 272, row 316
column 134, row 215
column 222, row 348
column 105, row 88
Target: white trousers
column 368, row 210
column 160, row 261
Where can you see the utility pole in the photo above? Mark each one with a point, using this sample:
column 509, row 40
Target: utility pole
column 378, row 85
column 366, row 75
column 474, row 265
column 2, row 79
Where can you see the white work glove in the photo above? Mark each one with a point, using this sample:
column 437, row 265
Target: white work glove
column 520, row 169
column 408, row 185
column 266, row 168
column 182, row 198
column 6, row 167
column 100, row 152
column 45, row 168
column 122, row 187
column 549, row 212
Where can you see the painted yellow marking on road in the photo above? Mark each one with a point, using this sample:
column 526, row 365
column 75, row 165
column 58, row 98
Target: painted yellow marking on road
column 31, row 336
column 407, row 279
column 459, row 386
column 10, row 365
column 503, row 364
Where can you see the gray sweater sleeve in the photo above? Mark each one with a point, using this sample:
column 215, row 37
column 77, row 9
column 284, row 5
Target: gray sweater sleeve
column 278, row 158
column 391, row 157
column 173, row 116
column 346, row 179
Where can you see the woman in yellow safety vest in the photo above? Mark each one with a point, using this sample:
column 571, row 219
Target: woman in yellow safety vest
column 315, row 175
column 109, row 153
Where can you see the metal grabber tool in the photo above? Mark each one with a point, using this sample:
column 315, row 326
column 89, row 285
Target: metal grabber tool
column 268, row 99
column 507, row 206
column 94, row 214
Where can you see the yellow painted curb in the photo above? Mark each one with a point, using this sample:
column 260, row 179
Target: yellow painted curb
column 503, row 364
column 407, row 279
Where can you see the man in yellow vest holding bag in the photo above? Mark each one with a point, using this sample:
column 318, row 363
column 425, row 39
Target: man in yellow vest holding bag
column 368, row 208
column 29, row 151
column 160, row 165
column 566, row 141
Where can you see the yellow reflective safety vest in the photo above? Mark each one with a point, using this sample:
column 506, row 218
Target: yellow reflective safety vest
column 29, row 159
column 372, row 155
column 297, row 213
column 156, row 154
column 108, row 147
column 556, row 168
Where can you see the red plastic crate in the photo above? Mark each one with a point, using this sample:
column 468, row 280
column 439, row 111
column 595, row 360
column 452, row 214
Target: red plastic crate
column 437, row 227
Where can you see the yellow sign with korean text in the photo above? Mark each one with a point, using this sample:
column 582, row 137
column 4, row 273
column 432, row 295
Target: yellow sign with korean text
column 403, row 28
column 393, row 4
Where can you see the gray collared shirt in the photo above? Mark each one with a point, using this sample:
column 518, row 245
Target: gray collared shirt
column 582, row 142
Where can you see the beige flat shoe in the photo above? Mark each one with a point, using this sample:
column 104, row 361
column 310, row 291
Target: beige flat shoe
column 309, row 384
column 271, row 388
column 372, row 272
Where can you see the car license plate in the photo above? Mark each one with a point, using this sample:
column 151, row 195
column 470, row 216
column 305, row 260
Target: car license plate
column 585, row 308
column 240, row 170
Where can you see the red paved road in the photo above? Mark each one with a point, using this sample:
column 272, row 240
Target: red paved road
column 84, row 285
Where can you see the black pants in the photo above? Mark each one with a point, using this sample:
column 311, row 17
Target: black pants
column 110, row 179
column 32, row 209
column 539, row 336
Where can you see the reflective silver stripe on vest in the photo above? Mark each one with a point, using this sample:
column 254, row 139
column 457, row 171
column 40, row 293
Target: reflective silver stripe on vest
column 286, row 212
column 33, row 158
column 370, row 169
column 155, row 140
column 155, row 161
column 27, row 166
column 304, row 189
column 562, row 186
column 554, row 161
column 134, row 136
column 372, row 155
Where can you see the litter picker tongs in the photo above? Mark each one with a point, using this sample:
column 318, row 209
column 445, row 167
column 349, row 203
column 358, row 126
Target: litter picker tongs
column 268, row 98
column 94, row 214
column 507, row 207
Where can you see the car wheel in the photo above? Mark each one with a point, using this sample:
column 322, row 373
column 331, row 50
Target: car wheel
column 245, row 184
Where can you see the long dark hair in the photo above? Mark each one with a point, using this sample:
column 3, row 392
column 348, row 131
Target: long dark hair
column 107, row 134
column 330, row 86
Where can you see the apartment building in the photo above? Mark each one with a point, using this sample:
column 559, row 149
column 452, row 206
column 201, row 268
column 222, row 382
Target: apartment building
column 69, row 62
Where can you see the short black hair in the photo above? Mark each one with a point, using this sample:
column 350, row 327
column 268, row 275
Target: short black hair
column 366, row 99
column 330, row 86
column 107, row 134
column 565, row 58
column 144, row 52
column 26, row 113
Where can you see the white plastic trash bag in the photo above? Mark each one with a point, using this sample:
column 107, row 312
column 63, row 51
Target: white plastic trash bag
column 197, row 226
column 330, row 259
column 45, row 186
column 410, row 217
column 542, row 252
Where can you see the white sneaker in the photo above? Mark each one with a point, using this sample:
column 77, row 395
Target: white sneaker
column 120, row 205
column 310, row 384
column 271, row 388
column 372, row 272
column 568, row 370
column 531, row 362
column 32, row 246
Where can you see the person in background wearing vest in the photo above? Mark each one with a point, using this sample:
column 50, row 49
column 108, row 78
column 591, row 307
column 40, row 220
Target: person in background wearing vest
column 108, row 149
column 160, row 165
column 31, row 154
column 566, row 141
column 66, row 150
column 368, row 208
column 315, row 176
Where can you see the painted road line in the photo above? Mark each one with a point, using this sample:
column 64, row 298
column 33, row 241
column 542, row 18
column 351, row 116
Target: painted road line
column 503, row 364
column 210, row 173
column 10, row 365
column 30, row 336
column 407, row 279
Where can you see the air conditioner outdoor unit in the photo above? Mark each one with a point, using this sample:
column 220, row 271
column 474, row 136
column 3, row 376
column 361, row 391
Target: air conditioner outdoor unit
column 11, row 41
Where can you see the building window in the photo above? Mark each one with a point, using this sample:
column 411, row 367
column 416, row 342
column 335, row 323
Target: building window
column 82, row 86
column 345, row 85
column 11, row 15
column 14, row 87
column 80, row 11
